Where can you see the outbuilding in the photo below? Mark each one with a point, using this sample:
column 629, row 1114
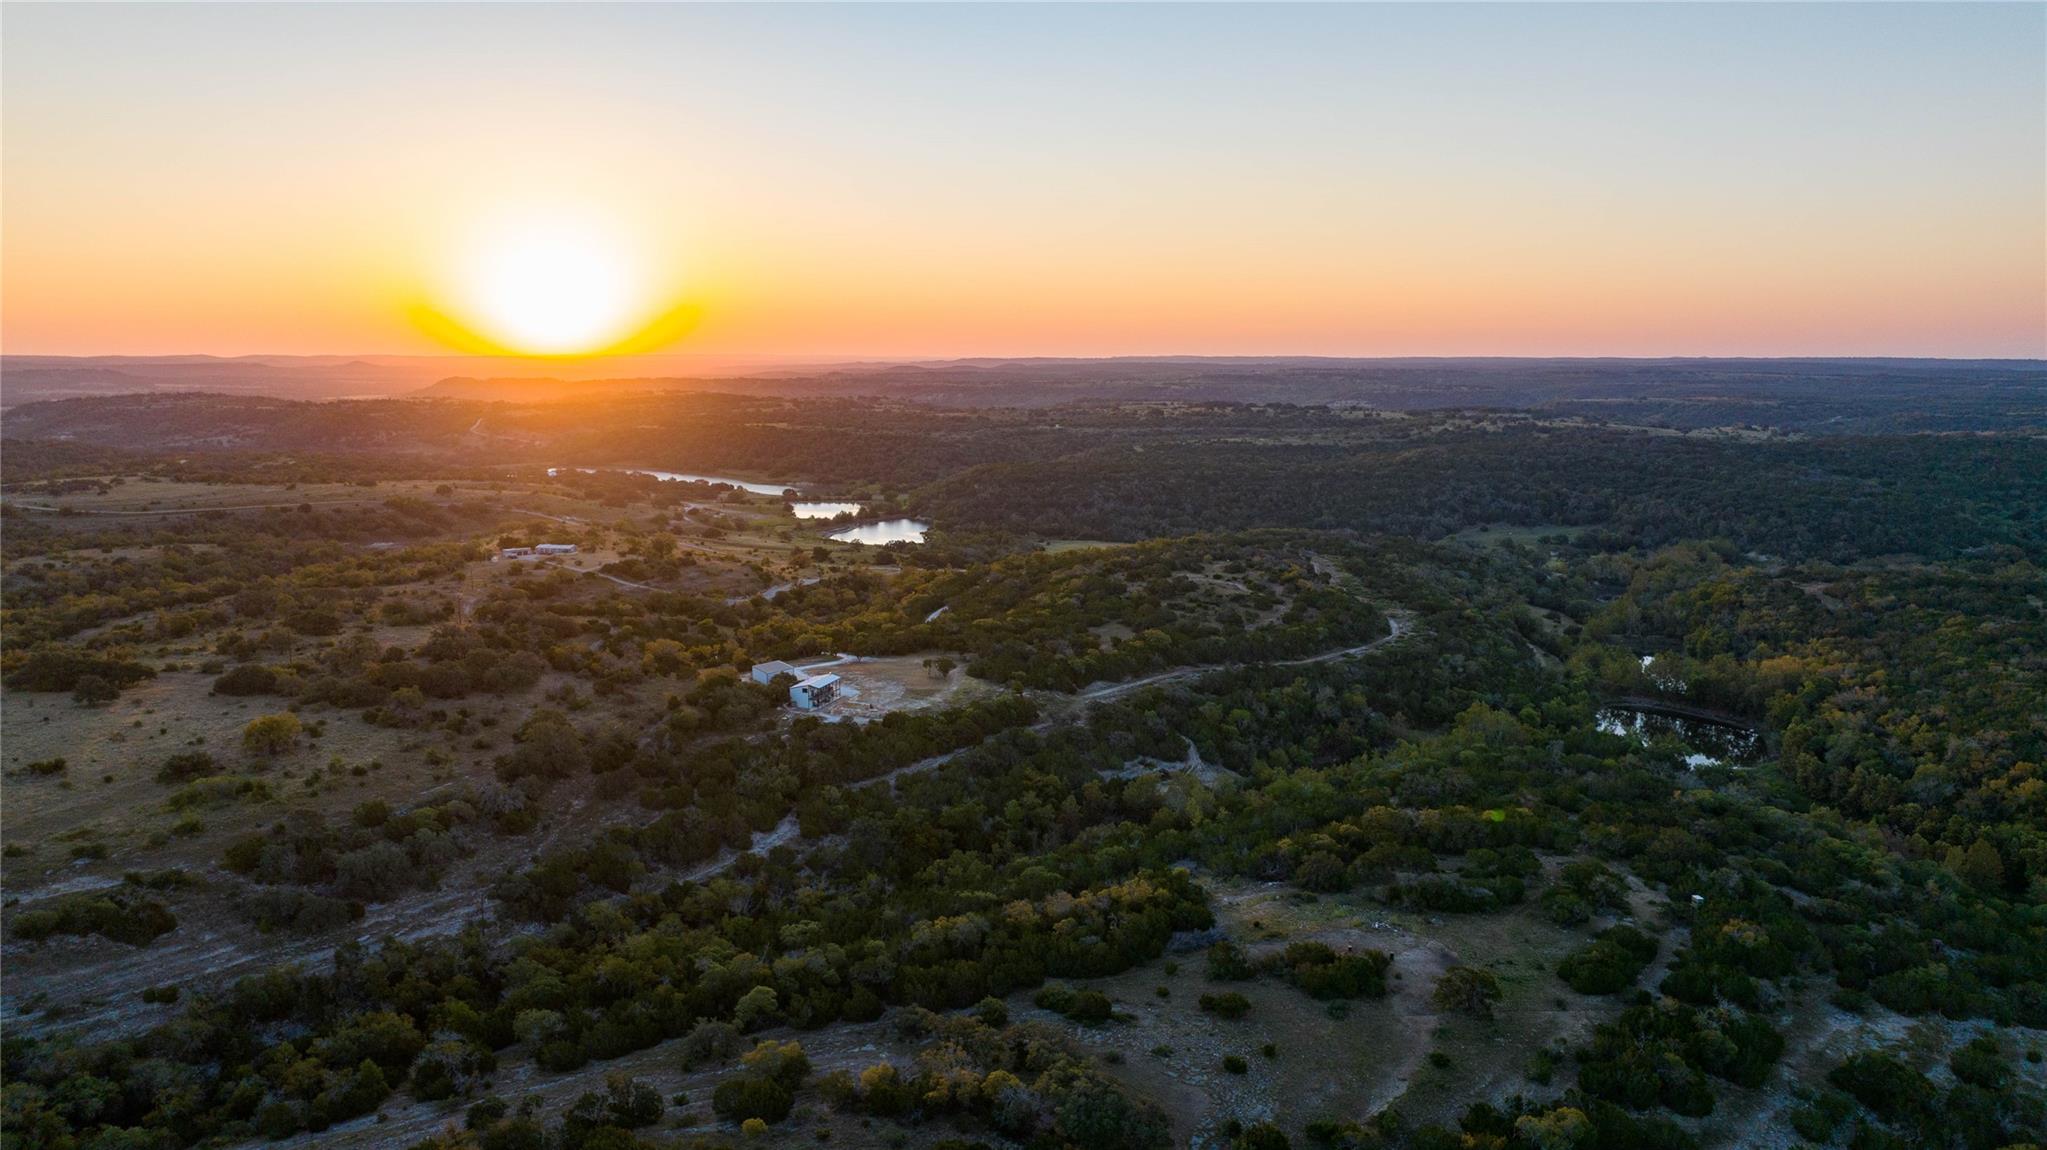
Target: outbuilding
column 768, row 671
column 814, row 692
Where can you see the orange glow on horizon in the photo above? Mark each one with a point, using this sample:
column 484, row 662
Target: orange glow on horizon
column 904, row 182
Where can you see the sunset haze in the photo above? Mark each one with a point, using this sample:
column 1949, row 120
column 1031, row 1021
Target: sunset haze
column 917, row 181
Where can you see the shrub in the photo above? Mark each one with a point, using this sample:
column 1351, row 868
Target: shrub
column 1090, row 1006
column 1887, row 1086
column 245, row 854
column 1226, row 1005
column 748, row 1096
column 117, row 916
column 270, row 735
column 1467, row 990
column 784, row 1062
column 1235, row 1064
column 710, row 1042
column 94, row 689
column 185, row 766
column 631, row 1103
column 1978, row 1062
column 296, row 910
column 1226, row 962
column 1317, row 969
column 374, row 873
column 1323, row 871
column 1262, row 1136
column 214, row 790
column 57, row 669
column 247, row 679
column 1610, row 964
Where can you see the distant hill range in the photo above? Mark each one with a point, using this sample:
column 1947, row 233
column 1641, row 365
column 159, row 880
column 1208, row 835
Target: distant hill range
column 1809, row 396
column 1813, row 396
column 33, row 378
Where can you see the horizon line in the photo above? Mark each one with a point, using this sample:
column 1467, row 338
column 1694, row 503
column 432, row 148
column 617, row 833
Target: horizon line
column 914, row 359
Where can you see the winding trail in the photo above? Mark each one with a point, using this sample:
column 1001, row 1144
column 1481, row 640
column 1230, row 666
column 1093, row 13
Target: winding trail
column 443, row 911
column 1398, row 625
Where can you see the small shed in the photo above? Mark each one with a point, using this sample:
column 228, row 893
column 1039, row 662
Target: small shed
column 814, row 692
column 766, row 672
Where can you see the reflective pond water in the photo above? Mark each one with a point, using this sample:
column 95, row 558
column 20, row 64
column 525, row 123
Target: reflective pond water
column 743, row 485
column 1707, row 743
column 823, row 509
column 883, row 531
column 686, row 477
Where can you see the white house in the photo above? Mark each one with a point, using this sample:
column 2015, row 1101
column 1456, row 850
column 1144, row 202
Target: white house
column 766, row 672
column 814, row 692
column 537, row 552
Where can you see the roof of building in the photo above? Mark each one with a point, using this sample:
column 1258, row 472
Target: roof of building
column 819, row 681
column 773, row 667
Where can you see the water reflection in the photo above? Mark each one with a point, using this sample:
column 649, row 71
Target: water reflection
column 822, row 509
column 883, row 531
column 686, row 477
column 1707, row 743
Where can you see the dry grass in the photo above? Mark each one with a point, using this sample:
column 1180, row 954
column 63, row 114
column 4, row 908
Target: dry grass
column 1378, row 1054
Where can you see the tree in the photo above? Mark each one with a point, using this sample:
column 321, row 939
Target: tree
column 1467, row 990
column 1323, row 871
column 1980, row 866
column 271, row 735
column 632, row 1103
column 756, row 1008
column 549, row 747
column 1560, row 1129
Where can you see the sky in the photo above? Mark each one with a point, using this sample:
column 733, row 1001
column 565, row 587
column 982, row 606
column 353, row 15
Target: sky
column 931, row 181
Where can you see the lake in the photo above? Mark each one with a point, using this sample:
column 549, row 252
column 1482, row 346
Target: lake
column 883, row 531
column 1707, row 743
column 823, row 509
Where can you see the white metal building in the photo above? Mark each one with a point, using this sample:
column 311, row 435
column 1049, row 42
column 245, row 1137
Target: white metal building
column 814, row 692
column 766, row 672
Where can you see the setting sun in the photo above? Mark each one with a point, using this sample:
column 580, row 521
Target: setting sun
column 553, row 293
column 555, row 282
column 549, row 287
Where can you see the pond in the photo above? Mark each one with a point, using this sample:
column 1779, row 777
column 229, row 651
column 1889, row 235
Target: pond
column 883, row 531
column 823, row 509
column 1707, row 743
